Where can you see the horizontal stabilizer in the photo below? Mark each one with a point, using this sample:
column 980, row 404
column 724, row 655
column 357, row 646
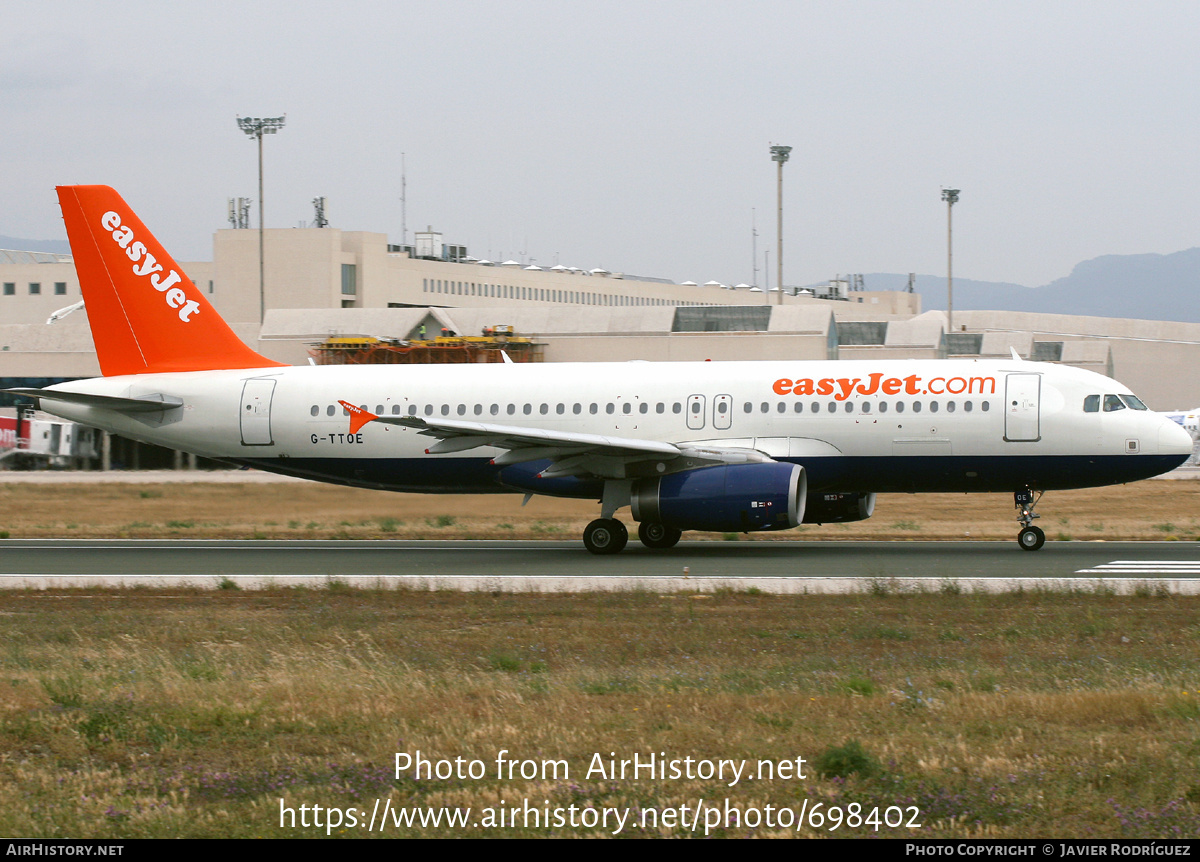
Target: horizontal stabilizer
column 143, row 404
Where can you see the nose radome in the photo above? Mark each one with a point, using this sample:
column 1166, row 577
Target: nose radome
column 1174, row 440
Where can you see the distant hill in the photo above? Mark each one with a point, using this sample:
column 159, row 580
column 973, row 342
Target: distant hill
column 56, row 246
column 1146, row 286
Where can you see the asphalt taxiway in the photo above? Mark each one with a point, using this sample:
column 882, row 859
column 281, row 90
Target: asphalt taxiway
column 566, row 566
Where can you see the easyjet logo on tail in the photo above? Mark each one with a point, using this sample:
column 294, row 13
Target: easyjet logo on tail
column 842, row 388
column 144, row 264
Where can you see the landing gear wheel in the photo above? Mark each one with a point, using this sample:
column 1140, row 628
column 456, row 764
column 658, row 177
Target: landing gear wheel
column 1031, row 538
column 658, row 536
column 605, row 536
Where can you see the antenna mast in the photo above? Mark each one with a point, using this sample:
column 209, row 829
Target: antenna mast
column 403, row 203
column 753, row 249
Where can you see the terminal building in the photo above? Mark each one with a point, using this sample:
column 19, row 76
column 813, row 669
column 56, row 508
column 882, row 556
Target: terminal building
column 352, row 286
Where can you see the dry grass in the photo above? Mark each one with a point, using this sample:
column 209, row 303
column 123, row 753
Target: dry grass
column 132, row 714
column 1146, row 510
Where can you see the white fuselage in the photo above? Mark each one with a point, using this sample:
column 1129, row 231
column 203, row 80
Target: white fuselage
column 920, row 425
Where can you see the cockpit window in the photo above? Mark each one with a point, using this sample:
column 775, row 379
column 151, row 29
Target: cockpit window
column 1134, row 402
column 1112, row 402
column 1091, row 404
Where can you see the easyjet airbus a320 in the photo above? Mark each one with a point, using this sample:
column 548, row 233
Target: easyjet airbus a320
column 719, row 446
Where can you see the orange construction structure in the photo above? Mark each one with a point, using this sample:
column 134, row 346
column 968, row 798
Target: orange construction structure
column 445, row 349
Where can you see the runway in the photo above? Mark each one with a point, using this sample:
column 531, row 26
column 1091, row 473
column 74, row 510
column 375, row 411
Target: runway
column 785, row 567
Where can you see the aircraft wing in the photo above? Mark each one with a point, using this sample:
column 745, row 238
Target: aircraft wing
column 570, row 453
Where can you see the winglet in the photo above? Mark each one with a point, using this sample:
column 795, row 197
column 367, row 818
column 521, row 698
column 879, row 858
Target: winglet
column 358, row 416
column 1015, row 355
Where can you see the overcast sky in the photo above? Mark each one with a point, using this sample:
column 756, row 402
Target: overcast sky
column 627, row 134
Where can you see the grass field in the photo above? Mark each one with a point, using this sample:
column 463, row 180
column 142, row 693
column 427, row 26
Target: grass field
column 175, row 713
column 1146, row 510
column 137, row 713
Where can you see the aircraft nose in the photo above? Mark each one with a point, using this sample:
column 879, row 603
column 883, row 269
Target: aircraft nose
column 1173, row 439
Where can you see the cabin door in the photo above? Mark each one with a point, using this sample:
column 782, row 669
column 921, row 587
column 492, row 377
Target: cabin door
column 256, row 411
column 1022, row 408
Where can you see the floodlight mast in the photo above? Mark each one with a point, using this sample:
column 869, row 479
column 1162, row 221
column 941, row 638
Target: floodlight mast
column 256, row 127
column 950, row 196
column 779, row 155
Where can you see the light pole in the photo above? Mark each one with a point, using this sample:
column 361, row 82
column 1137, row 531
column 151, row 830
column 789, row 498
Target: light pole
column 256, row 127
column 950, row 196
column 779, row 155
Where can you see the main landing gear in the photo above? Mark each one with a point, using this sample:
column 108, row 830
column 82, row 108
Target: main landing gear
column 658, row 536
column 605, row 536
column 1030, row 538
column 609, row 536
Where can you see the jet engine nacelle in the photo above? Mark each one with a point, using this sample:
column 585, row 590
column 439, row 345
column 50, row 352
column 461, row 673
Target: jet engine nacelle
column 838, row 508
column 741, row 498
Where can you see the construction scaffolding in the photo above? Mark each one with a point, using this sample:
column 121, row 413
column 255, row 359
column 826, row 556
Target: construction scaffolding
column 449, row 349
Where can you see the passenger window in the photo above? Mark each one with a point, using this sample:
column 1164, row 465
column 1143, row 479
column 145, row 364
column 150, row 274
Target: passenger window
column 832, row 407
column 428, row 409
column 949, row 406
column 544, row 409
column 395, row 409
column 445, row 409
column 849, row 406
column 660, row 407
column 378, row 409
column 315, row 410
column 883, row 407
column 495, row 409
column 478, row 409
column 816, row 407
column 577, row 408
column 722, row 408
column 628, row 408
column 527, row 409
column 749, row 407
column 329, row 410
column 610, row 408
column 765, row 407
column 933, row 407
column 781, row 407
column 676, row 407
column 985, row 406
column 1112, row 403
column 462, row 409
column 916, row 407
column 644, row 407
column 799, row 407
column 866, row 408
column 560, row 409
column 1091, row 404
column 412, row 409
column 512, row 409
column 593, row 408
column 899, row 406
column 967, row 406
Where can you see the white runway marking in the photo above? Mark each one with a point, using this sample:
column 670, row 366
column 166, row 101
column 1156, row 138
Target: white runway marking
column 590, row 584
column 1174, row 568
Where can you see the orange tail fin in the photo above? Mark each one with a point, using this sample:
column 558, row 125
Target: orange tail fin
column 145, row 313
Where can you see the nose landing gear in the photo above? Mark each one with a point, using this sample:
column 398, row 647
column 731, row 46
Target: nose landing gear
column 1030, row 538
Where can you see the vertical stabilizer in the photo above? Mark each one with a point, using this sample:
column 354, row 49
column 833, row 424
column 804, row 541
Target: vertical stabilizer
column 145, row 313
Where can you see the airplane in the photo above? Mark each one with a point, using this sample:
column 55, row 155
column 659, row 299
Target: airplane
column 739, row 446
column 1190, row 421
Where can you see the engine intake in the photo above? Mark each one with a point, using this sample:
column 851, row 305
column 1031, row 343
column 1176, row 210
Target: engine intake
column 736, row 497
